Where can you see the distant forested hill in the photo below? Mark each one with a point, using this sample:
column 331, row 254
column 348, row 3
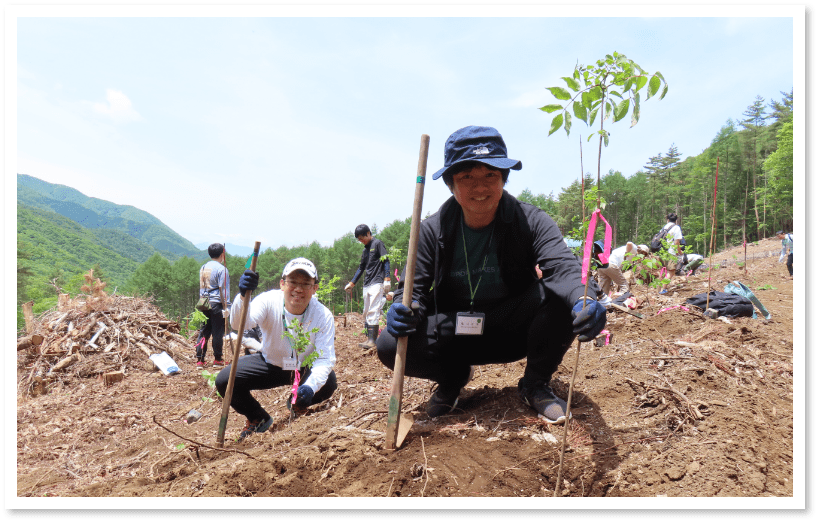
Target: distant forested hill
column 107, row 217
column 56, row 245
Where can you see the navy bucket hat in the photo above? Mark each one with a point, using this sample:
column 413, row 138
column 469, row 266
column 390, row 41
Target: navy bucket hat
column 483, row 144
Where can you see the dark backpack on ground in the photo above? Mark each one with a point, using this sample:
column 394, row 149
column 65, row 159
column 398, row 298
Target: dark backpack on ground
column 729, row 305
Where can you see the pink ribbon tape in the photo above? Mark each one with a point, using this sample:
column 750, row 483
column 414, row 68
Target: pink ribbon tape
column 589, row 243
column 295, row 386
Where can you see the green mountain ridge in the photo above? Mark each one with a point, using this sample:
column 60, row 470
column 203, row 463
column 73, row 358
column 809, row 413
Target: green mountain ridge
column 56, row 243
column 98, row 214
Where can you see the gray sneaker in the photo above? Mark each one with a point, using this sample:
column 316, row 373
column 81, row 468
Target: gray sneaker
column 542, row 398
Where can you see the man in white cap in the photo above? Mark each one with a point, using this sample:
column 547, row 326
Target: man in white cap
column 278, row 363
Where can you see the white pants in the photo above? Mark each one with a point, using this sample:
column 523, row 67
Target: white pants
column 374, row 299
column 612, row 274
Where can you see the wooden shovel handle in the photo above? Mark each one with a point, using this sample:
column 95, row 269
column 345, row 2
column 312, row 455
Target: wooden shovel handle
column 393, row 419
column 228, row 393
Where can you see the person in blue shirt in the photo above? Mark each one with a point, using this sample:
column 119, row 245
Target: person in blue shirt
column 214, row 281
column 786, row 244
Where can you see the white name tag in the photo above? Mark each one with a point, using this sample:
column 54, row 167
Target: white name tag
column 469, row 323
column 290, row 363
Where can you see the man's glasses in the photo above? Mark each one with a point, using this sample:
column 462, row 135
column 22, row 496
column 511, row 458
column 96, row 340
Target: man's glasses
column 302, row 286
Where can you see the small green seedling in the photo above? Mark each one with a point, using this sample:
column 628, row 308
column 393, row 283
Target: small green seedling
column 766, row 287
column 210, row 378
column 301, row 342
column 180, row 446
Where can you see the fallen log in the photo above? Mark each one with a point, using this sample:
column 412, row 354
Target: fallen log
column 29, row 341
column 64, row 363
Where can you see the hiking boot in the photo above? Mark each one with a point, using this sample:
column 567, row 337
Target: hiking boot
column 258, row 426
column 372, row 336
column 218, row 363
column 442, row 401
column 200, row 365
column 541, row 397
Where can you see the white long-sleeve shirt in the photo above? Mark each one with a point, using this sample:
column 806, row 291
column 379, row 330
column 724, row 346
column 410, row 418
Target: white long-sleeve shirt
column 268, row 312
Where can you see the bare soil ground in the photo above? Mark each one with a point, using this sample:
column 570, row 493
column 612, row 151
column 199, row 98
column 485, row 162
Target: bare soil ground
column 677, row 405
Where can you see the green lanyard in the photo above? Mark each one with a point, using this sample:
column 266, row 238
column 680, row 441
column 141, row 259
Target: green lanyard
column 473, row 291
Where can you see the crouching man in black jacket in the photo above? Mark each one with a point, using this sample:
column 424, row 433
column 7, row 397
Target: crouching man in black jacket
column 479, row 300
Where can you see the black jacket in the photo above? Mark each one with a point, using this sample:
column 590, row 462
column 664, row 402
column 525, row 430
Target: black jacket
column 526, row 235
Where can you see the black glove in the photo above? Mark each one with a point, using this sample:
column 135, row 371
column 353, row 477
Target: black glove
column 400, row 321
column 248, row 282
column 304, row 397
column 590, row 321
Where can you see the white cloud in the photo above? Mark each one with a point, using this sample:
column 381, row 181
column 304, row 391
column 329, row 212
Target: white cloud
column 119, row 108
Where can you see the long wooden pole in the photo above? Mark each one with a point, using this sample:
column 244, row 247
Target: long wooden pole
column 393, row 419
column 713, row 231
column 228, row 394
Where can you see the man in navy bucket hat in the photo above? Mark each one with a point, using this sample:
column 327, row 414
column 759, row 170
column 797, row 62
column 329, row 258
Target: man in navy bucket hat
column 477, row 298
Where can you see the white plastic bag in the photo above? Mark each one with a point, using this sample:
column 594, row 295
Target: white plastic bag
column 164, row 362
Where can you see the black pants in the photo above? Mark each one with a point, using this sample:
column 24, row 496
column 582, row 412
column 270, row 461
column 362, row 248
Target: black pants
column 255, row 373
column 789, row 263
column 213, row 327
column 535, row 325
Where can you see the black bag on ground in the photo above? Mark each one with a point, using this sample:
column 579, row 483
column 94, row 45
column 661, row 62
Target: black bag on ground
column 728, row 305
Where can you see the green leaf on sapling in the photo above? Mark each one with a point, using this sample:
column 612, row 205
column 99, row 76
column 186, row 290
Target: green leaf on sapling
column 653, row 86
column 664, row 91
column 559, row 93
column 635, row 113
column 567, row 123
column 596, row 93
column 628, row 85
column 640, row 82
column 580, row 112
column 587, row 101
column 593, row 116
column 621, row 109
column 556, row 123
column 551, row 108
column 615, row 93
column 572, row 83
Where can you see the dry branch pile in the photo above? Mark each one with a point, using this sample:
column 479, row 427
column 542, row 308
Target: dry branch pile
column 94, row 335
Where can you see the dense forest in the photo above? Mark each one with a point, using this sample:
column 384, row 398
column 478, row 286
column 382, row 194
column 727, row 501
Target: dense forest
column 753, row 155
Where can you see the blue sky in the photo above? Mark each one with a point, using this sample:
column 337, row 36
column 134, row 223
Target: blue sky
column 295, row 129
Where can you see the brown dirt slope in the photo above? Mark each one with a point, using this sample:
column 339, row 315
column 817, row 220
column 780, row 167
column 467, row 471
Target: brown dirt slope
column 677, row 405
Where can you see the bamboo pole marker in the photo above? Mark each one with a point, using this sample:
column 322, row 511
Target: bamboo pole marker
column 228, row 393
column 394, row 417
column 713, row 230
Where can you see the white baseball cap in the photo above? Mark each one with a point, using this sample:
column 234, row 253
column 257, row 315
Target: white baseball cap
column 300, row 263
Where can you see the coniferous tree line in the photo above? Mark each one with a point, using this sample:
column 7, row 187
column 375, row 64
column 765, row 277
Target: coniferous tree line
column 754, row 200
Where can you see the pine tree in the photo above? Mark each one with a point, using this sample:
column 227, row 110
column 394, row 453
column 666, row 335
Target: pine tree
column 754, row 121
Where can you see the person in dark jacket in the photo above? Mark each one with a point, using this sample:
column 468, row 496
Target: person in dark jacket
column 476, row 296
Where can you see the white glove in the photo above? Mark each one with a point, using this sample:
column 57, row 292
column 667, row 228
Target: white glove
column 387, row 286
column 349, row 286
column 390, row 296
column 781, row 258
column 225, row 313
